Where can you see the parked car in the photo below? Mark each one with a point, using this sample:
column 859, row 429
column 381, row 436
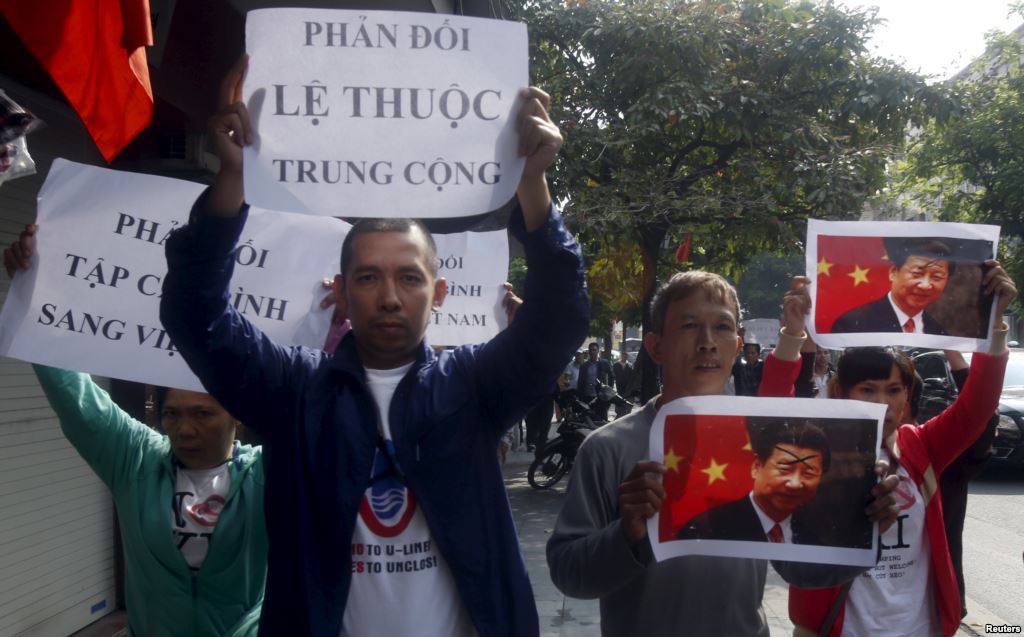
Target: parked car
column 939, row 391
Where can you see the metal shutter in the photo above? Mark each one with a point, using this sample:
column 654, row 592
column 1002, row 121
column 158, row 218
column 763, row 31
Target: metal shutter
column 56, row 517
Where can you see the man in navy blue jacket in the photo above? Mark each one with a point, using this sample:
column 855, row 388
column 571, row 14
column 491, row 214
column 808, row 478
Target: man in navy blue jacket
column 341, row 460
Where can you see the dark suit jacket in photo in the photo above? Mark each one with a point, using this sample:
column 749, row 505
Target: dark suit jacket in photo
column 738, row 521
column 878, row 316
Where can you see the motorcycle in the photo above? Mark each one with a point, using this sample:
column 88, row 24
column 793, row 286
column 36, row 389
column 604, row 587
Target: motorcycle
column 579, row 418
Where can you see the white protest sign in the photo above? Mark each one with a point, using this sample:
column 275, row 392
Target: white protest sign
column 90, row 300
column 475, row 264
column 763, row 331
column 383, row 113
column 733, row 463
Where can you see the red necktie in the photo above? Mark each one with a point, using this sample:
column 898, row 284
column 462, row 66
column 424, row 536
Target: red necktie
column 909, row 326
column 775, row 535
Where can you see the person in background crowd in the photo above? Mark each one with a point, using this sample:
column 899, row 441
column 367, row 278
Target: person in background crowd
column 622, row 370
column 822, row 373
column 174, row 494
column 815, row 372
column 538, row 424
column 746, row 372
column 572, row 371
column 594, row 371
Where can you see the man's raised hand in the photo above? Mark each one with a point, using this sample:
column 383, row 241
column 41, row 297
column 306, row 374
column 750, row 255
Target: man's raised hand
column 997, row 282
column 539, row 142
column 539, row 137
column 230, row 129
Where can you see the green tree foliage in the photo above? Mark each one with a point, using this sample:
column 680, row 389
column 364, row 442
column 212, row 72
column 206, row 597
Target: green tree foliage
column 730, row 119
column 764, row 281
column 970, row 167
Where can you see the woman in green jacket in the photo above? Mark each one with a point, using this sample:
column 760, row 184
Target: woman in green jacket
column 189, row 503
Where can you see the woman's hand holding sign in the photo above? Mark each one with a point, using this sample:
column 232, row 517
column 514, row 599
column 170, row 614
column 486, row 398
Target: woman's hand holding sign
column 796, row 305
column 997, row 282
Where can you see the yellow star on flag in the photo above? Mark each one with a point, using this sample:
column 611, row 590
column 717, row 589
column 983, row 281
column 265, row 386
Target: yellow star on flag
column 824, row 267
column 672, row 460
column 747, row 447
column 859, row 275
column 715, row 471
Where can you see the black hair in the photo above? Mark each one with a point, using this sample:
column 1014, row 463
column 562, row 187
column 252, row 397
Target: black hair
column 899, row 249
column 368, row 225
column 858, row 364
column 159, row 397
column 767, row 432
column 681, row 285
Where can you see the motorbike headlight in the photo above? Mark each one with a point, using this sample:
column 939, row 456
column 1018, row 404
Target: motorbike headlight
column 1008, row 429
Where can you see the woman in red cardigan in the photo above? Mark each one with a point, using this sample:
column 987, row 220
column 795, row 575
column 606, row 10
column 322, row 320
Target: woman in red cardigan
column 912, row 590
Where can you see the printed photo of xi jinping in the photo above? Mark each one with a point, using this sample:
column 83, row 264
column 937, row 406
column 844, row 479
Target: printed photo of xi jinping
column 920, row 269
column 792, row 459
column 928, row 285
column 766, row 478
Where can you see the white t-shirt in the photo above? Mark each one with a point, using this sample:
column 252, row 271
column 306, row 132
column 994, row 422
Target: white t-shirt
column 821, row 384
column 401, row 584
column 199, row 497
column 896, row 597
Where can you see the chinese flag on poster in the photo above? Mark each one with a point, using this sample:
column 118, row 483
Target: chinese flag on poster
column 852, row 271
column 95, row 52
column 708, row 461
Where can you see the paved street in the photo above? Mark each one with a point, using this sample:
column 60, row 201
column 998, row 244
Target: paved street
column 994, row 539
column 993, row 546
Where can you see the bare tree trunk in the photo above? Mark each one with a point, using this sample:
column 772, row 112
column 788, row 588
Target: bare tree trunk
column 651, row 238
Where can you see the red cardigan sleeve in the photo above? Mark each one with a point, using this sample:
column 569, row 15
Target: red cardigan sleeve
column 779, row 377
column 945, row 436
